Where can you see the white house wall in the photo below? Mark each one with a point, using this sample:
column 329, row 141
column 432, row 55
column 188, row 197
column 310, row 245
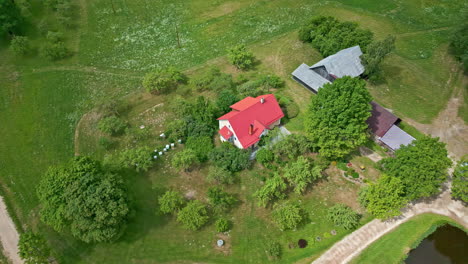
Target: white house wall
column 226, row 123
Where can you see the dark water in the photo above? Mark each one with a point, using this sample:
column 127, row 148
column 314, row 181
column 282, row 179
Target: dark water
column 447, row 245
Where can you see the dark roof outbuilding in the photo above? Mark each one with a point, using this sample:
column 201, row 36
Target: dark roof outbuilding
column 381, row 120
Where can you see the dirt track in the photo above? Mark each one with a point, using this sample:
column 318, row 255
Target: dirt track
column 9, row 235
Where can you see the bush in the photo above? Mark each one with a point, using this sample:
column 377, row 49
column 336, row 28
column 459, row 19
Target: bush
column 161, row 81
column 176, row 129
column 301, row 173
column 265, row 157
column 230, row 158
column 292, row 146
column 20, row 45
column 201, row 145
column 459, row 44
column 220, row 199
column 329, row 35
column 55, row 51
column 214, row 80
column 220, row 175
column 292, row 110
column 250, row 88
column 342, row 215
column 460, row 181
column 222, row 225
column 33, row 248
column 240, row 57
column 193, row 216
column 273, row 188
column 112, row 125
column 171, row 202
column 272, row 81
column 273, row 250
column 287, row 216
column 185, row 159
column 138, row 158
column 225, row 99
column 106, row 143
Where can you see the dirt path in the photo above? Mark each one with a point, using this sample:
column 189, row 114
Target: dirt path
column 353, row 244
column 9, row 237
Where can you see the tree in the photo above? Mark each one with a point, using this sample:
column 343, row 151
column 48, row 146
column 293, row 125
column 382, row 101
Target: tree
column 300, row 173
column 225, row 99
column 54, row 48
column 20, row 45
column 265, row 157
column 459, row 44
column 375, row 54
column 230, row 158
column 112, row 125
column 220, row 199
column 220, row 175
column 10, row 17
column 384, row 198
column 193, row 216
column 273, row 188
column 240, row 57
column 201, row 145
column 138, row 158
column 161, row 81
column 329, row 35
column 460, row 181
column 82, row 196
column 33, row 249
column 287, row 216
column 421, row 166
column 176, row 129
column 336, row 118
column 222, row 225
column 343, row 215
column 292, row 146
column 185, row 159
column 170, row 202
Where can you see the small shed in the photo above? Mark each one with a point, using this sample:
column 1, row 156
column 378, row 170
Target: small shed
column 395, row 137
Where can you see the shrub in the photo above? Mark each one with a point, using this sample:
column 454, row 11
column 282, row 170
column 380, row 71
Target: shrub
column 292, row 110
column 170, row 202
column 112, row 125
column 33, row 248
column 240, row 57
column 193, row 216
column 265, row 157
column 460, row 181
column 250, row 88
column 161, row 81
column 220, row 175
column 214, row 80
column 222, row 225
column 220, row 199
column 230, row 158
column 287, row 216
column 292, row 146
column 300, row 173
column 272, row 81
column 273, row 250
column 272, row 189
column 106, row 143
column 184, row 159
column 55, row 51
column 138, row 158
column 225, row 99
column 342, row 215
column 20, row 45
column 201, row 145
column 459, row 44
column 176, row 129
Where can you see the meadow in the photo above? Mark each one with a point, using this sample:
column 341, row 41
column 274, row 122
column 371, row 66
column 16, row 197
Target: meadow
column 41, row 102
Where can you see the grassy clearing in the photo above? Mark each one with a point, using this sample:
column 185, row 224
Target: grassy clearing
column 394, row 246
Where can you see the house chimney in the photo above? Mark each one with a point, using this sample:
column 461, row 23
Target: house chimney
column 251, row 129
column 262, row 100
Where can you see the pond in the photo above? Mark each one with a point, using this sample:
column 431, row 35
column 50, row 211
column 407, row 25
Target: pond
column 447, row 245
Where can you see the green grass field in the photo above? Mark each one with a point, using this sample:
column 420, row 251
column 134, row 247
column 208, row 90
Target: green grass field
column 41, row 102
column 394, row 246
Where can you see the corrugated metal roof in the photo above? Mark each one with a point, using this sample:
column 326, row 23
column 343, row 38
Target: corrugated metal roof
column 309, row 77
column 345, row 62
column 395, row 137
column 381, row 120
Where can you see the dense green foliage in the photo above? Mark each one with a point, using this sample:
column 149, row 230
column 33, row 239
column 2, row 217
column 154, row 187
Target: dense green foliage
column 421, row 166
column 343, row 215
column 329, row 35
column 201, row 145
column 336, row 118
column 459, row 44
column 287, row 215
column 240, row 57
column 376, row 52
column 112, row 125
column 91, row 202
column 33, row 248
column 20, row 45
column 384, row 198
column 10, row 17
column 185, row 159
column 292, row 146
column 161, row 81
column 55, row 48
column 273, row 188
column 265, row 156
column 213, row 80
column 225, row 99
column 220, row 175
column 230, row 158
column 460, row 181
column 219, row 199
column 193, row 216
column 222, row 225
column 138, row 158
column 274, row 250
column 170, row 202
column 301, row 173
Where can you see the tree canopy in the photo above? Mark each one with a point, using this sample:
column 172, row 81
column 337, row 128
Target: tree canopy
column 193, row 216
column 91, row 202
column 160, row 81
column 301, row 173
column 273, row 188
column 329, row 35
column 230, row 158
column 33, row 248
column 343, row 215
column 421, row 166
column 375, row 54
column 459, row 44
column 185, row 159
column 170, row 202
column 287, row 215
column 336, row 117
column 10, row 17
column 460, row 181
column 240, row 57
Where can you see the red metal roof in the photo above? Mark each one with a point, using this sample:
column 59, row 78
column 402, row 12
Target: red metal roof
column 252, row 111
column 381, row 120
column 225, row 132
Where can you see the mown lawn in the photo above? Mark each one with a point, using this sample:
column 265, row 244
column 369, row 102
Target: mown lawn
column 394, row 246
column 41, row 102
